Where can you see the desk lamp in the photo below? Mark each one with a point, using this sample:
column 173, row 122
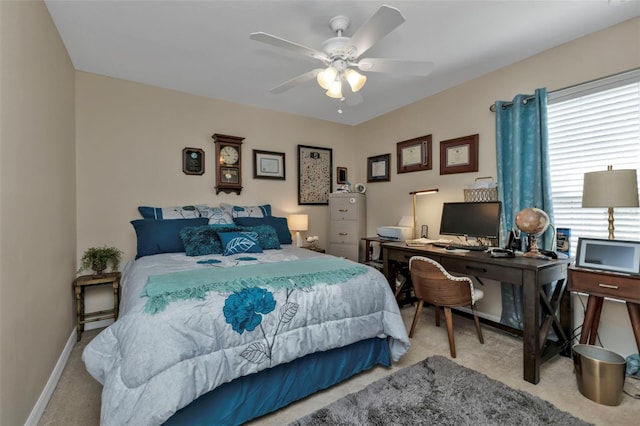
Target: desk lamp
column 610, row 188
column 414, row 194
column 297, row 223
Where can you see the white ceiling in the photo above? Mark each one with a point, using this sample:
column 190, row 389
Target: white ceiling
column 203, row 47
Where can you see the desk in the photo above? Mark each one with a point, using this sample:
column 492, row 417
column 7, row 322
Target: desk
column 541, row 313
column 601, row 284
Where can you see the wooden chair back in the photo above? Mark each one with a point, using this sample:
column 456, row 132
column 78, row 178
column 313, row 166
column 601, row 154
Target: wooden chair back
column 432, row 284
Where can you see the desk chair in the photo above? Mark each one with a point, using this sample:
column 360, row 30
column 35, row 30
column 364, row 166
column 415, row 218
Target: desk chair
column 434, row 285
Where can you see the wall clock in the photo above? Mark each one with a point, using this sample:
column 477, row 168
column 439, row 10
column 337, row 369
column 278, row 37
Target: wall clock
column 414, row 154
column 228, row 163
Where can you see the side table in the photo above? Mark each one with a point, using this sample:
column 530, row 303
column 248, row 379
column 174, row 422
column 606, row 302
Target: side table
column 313, row 248
column 79, row 285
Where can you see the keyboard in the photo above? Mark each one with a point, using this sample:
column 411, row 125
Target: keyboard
column 461, row 246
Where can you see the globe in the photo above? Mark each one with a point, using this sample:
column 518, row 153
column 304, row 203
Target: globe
column 534, row 222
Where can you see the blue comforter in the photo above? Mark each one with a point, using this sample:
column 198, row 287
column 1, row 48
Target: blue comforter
column 151, row 365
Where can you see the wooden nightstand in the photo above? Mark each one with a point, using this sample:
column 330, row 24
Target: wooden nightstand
column 80, row 283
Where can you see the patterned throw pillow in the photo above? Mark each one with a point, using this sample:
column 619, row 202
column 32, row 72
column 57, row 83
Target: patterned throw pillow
column 203, row 240
column 267, row 236
column 247, row 211
column 239, row 242
column 278, row 223
column 216, row 215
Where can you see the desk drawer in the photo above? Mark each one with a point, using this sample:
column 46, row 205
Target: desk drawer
column 403, row 256
column 482, row 270
column 605, row 285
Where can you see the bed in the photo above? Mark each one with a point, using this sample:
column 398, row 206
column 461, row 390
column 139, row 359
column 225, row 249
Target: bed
column 223, row 339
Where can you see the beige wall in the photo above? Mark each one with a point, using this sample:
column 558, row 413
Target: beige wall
column 37, row 204
column 129, row 149
column 464, row 110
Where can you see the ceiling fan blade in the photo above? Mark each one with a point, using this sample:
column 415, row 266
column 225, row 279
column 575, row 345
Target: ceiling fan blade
column 351, row 98
column 288, row 45
column 385, row 20
column 290, row 84
column 419, row 68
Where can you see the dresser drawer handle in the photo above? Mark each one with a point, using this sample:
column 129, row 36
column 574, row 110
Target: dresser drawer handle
column 343, row 233
column 614, row 287
column 343, row 210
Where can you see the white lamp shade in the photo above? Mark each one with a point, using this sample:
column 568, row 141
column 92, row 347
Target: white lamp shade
column 298, row 222
column 610, row 188
column 335, row 91
column 327, row 77
column 355, row 79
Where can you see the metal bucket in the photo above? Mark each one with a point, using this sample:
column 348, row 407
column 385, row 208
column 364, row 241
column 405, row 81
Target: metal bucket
column 600, row 373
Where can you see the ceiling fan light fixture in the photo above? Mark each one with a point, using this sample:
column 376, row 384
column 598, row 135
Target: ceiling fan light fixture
column 355, row 79
column 327, row 77
column 335, row 91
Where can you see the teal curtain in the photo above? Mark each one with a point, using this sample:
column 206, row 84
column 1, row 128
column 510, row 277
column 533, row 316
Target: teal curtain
column 522, row 149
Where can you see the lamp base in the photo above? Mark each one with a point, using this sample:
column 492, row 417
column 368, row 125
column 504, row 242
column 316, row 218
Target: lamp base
column 298, row 239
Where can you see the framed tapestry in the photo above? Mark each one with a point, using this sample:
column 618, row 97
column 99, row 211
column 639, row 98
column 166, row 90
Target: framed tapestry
column 314, row 174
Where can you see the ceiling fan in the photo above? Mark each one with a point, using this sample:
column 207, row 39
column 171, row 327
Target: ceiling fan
column 341, row 55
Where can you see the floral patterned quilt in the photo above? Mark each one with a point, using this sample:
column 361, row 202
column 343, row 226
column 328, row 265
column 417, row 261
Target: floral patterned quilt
column 153, row 365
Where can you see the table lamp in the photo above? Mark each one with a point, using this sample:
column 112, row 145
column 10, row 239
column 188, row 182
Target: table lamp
column 297, row 223
column 610, row 188
column 414, row 194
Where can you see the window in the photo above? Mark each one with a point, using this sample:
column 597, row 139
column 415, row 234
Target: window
column 592, row 126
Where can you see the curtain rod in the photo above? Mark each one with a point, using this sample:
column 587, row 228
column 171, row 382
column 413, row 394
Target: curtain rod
column 492, row 108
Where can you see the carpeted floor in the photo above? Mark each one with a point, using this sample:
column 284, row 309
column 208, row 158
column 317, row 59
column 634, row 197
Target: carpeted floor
column 76, row 400
column 438, row 391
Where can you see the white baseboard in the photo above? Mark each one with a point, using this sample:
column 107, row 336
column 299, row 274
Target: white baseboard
column 45, row 396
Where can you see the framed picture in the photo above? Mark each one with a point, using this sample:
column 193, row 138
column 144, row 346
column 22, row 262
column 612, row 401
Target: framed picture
column 314, row 174
column 459, row 155
column 268, row 165
column 341, row 175
column 609, row 255
column 378, row 168
column 193, row 161
column 414, row 155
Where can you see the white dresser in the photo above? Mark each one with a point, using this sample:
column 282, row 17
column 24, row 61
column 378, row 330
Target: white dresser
column 347, row 224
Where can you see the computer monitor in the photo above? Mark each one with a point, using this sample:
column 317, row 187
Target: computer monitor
column 479, row 220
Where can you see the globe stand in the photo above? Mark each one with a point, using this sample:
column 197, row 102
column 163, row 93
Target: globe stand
column 534, row 252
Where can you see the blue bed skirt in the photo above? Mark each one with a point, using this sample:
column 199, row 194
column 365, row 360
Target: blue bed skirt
column 255, row 395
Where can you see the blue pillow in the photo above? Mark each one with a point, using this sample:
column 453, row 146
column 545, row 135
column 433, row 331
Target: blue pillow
column 278, row 223
column 162, row 236
column 239, row 242
column 267, row 236
column 203, row 240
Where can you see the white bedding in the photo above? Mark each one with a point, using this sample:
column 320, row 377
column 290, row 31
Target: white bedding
column 151, row 365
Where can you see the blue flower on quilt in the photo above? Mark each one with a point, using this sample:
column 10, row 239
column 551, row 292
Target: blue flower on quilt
column 242, row 309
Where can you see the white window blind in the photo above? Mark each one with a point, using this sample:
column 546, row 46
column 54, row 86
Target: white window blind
column 592, row 126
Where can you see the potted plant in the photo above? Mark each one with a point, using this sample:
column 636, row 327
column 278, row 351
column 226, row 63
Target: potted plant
column 99, row 258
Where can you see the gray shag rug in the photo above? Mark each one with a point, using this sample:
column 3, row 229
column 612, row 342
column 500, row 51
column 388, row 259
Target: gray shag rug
column 440, row 392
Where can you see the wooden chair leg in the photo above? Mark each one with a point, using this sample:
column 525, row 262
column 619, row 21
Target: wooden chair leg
column 436, row 310
column 449, row 318
column 477, row 321
column 416, row 316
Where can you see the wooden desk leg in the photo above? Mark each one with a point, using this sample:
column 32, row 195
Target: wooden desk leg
column 530, row 330
column 587, row 323
column 596, row 321
column 78, row 291
column 634, row 316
